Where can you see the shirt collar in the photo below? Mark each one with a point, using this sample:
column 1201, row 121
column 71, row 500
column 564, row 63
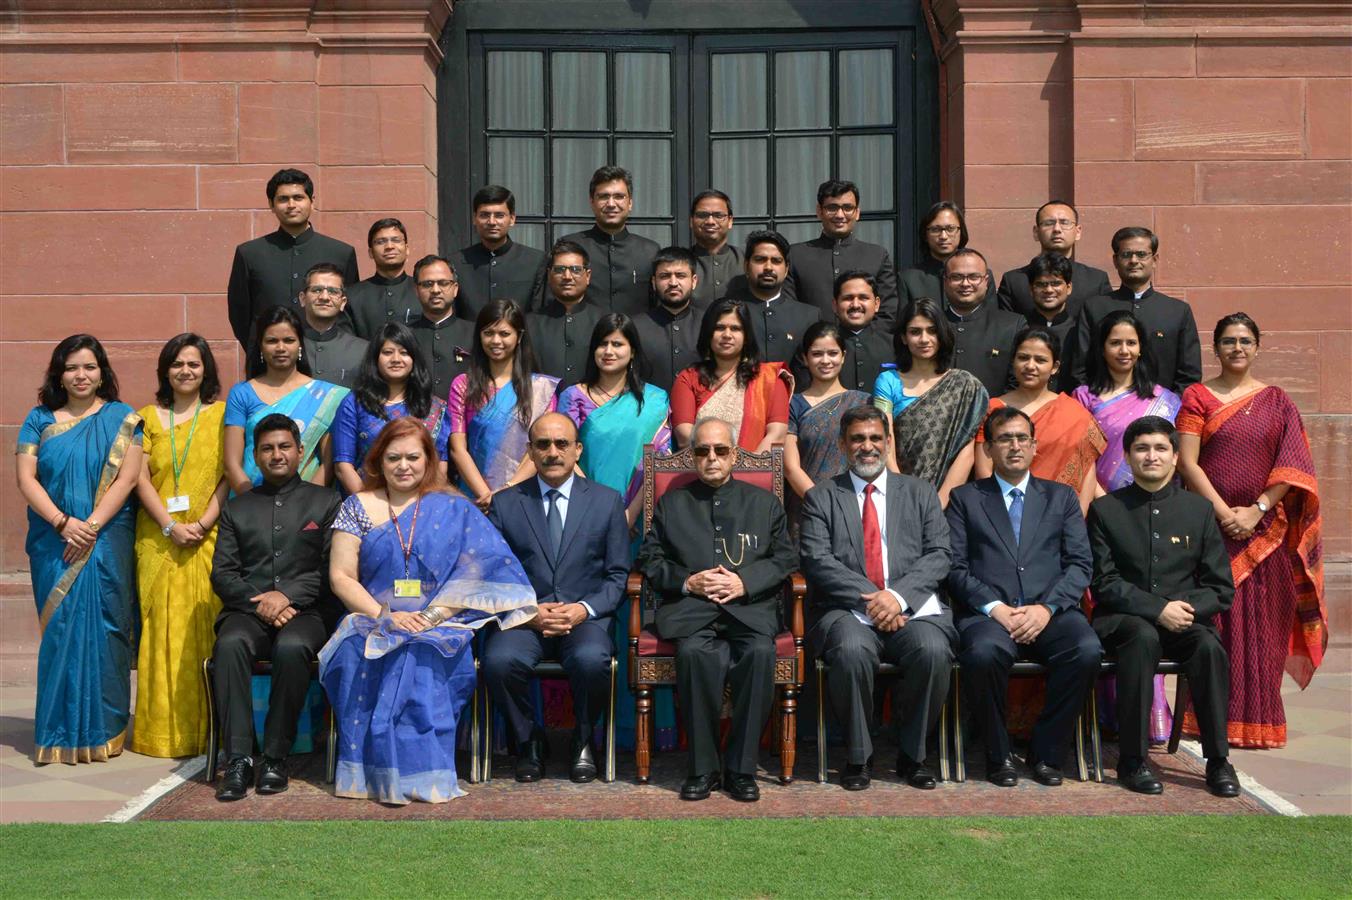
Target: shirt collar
column 442, row 323
column 1006, row 487
column 502, row 250
column 322, row 336
column 285, row 487
column 566, row 489
column 879, row 481
column 381, row 279
column 959, row 317
column 301, row 238
column 601, row 236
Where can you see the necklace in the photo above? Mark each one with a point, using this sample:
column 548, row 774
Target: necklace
column 742, row 540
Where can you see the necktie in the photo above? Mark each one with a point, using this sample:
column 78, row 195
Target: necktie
column 1015, row 512
column 555, row 521
column 873, row 540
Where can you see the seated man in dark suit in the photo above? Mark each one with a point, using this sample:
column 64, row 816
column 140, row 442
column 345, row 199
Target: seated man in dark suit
column 717, row 555
column 874, row 547
column 571, row 537
column 1021, row 564
column 269, row 569
column 1161, row 576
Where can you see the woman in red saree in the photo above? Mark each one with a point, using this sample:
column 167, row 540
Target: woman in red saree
column 731, row 383
column 1244, row 448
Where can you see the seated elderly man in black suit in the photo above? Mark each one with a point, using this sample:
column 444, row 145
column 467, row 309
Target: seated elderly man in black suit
column 1021, row 563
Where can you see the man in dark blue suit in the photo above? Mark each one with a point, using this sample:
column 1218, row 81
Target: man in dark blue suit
column 1021, row 562
column 571, row 537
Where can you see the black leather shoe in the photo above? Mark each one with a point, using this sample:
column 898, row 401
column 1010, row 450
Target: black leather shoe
column 530, row 761
column 236, row 780
column 1046, row 774
column 1140, row 779
column 1221, row 779
column 272, row 778
column 1002, row 773
column 699, row 787
column 743, row 788
column 855, row 777
column 915, row 773
column 583, row 769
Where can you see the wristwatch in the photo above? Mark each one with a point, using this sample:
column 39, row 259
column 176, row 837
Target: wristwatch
column 93, row 524
column 1262, row 507
column 168, row 529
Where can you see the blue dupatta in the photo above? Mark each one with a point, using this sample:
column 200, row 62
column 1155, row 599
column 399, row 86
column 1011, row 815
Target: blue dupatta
column 613, row 435
column 313, row 407
column 496, row 438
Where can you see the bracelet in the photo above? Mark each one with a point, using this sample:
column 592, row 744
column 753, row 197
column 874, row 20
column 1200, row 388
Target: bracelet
column 93, row 524
column 64, row 520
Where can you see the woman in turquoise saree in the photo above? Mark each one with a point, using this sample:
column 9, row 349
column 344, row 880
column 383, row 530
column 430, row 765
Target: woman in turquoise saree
column 79, row 455
column 280, row 382
column 617, row 413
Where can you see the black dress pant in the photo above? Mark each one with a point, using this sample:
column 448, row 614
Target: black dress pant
column 1138, row 645
column 726, row 651
column 509, row 658
column 241, row 640
column 1069, row 649
column 922, row 650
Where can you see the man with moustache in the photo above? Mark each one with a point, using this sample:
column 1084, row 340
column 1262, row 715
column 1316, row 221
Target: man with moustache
column 388, row 295
column 984, row 333
column 571, row 537
column 495, row 267
column 1161, row 577
column 867, row 347
column 1049, row 280
column 622, row 262
column 335, row 354
column 777, row 321
column 1056, row 228
column 270, row 569
column 719, row 261
column 716, row 557
column 670, row 331
column 561, row 330
column 874, row 550
column 444, row 338
column 814, row 265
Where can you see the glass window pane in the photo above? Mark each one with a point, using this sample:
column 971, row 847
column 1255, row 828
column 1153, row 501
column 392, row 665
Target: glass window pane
column 575, row 159
column 865, row 87
column 803, row 89
column 532, row 234
column 519, row 164
column 866, row 159
column 743, row 227
column 560, row 230
column 649, row 161
column 879, row 231
column 800, row 165
column 659, row 233
column 642, row 92
column 737, row 91
column 578, row 88
column 516, row 80
column 797, row 232
column 740, row 169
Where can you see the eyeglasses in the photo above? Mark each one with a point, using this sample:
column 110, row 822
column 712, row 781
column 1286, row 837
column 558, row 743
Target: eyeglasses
column 845, row 208
column 960, row 278
column 1052, row 223
column 320, row 290
column 704, row 214
column 719, row 450
column 943, row 229
column 1129, row 255
column 1014, row 440
column 543, row 444
column 616, row 196
column 1238, row 342
column 1048, row 285
column 381, row 242
column 485, row 215
column 442, row 283
column 575, row 270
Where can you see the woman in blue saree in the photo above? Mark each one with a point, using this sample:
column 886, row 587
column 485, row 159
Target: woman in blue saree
column 79, row 455
column 420, row 569
column 617, row 413
column 279, row 382
column 491, row 406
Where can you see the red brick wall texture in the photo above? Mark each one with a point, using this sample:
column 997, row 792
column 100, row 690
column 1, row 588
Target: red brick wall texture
column 135, row 140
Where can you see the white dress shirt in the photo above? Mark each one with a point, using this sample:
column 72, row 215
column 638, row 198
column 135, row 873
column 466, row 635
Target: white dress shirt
column 565, row 491
column 930, row 607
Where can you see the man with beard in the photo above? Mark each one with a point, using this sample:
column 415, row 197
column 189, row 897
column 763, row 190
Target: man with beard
column 777, row 321
column 719, row 262
column 867, row 347
column 561, row 330
column 388, row 295
column 670, row 331
column 874, row 550
column 1056, row 228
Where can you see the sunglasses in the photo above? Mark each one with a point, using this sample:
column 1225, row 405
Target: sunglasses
column 719, row 450
column 543, row 444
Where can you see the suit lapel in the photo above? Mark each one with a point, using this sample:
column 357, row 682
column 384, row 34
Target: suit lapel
column 1034, row 505
column 994, row 506
column 535, row 515
column 849, row 512
column 894, row 523
column 577, row 502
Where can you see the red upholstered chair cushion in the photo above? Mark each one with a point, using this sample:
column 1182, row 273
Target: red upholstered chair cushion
column 784, row 648
column 649, row 644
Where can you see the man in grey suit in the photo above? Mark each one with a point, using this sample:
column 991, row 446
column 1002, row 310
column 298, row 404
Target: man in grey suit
column 874, row 550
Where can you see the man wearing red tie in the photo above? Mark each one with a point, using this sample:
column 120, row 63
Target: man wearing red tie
column 874, row 550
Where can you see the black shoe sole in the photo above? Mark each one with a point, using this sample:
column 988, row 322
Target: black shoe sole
column 272, row 789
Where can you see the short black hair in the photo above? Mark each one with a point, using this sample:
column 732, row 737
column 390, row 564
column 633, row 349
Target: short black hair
column 428, row 260
column 610, row 173
column 493, row 194
column 1050, row 264
column 1039, row 333
column 835, row 187
column 967, row 251
column 1135, row 231
column 711, row 193
column 1037, row 216
column 1149, row 425
column 325, row 268
column 866, row 413
column 765, row 236
column 933, row 213
column 571, row 247
column 276, row 422
column 925, row 308
column 53, row 393
column 1002, row 415
column 211, row 382
column 675, row 255
column 853, row 275
column 290, row 176
column 1235, row 318
column 380, row 225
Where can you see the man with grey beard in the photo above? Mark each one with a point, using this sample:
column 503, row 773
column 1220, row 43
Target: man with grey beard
column 874, row 550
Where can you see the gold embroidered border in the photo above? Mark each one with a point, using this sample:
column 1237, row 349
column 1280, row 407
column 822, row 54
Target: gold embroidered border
column 26, row 450
column 72, row 755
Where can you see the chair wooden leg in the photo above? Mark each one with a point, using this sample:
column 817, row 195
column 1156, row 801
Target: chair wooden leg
column 821, row 722
column 643, row 718
column 1180, row 694
column 213, row 738
column 955, row 717
column 1095, row 736
column 610, row 724
column 788, row 732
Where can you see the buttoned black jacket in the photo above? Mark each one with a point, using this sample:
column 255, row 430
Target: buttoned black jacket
column 335, row 356
column 270, row 271
column 716, row 272
column 1016, row 294
column 669, row 341
column 984, row 344
column 378, row 300
column 778, row 325
column 1170, row 328
column 446, row 347
column 814, row 265
column 511, row 272
column 621, row 270
column 561, row 336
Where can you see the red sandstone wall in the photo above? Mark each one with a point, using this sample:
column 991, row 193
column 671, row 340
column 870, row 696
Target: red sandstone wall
column 134, row 150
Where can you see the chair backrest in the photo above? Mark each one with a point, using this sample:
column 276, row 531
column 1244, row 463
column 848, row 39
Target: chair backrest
column 662, row 473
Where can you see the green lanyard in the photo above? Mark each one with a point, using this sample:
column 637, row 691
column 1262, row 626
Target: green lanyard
column 173, row 444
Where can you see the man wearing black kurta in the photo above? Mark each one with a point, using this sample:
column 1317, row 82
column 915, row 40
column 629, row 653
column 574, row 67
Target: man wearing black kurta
column 719, row 262
column 561, row 332
column 270, row 570
column 814, row 265
column 1161, row 577
column 867, row 347
column 984, row 333
column 388, row 295
column 622, row 262
column 1168, row 321
column 495, row 267
column 777, row 321
column 1056, row 228
column 270, row 270
column 445, row 339
column 717, row 556
column 670, row 331
column 1055, row 310
column 334, row 353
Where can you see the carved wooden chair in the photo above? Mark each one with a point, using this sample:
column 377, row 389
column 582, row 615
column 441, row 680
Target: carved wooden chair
column 652, row 661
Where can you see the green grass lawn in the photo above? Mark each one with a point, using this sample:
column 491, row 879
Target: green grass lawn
column 1184, row 856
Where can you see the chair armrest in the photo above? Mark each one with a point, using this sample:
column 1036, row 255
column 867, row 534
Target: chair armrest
column 634, row 587
column 795, row 589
